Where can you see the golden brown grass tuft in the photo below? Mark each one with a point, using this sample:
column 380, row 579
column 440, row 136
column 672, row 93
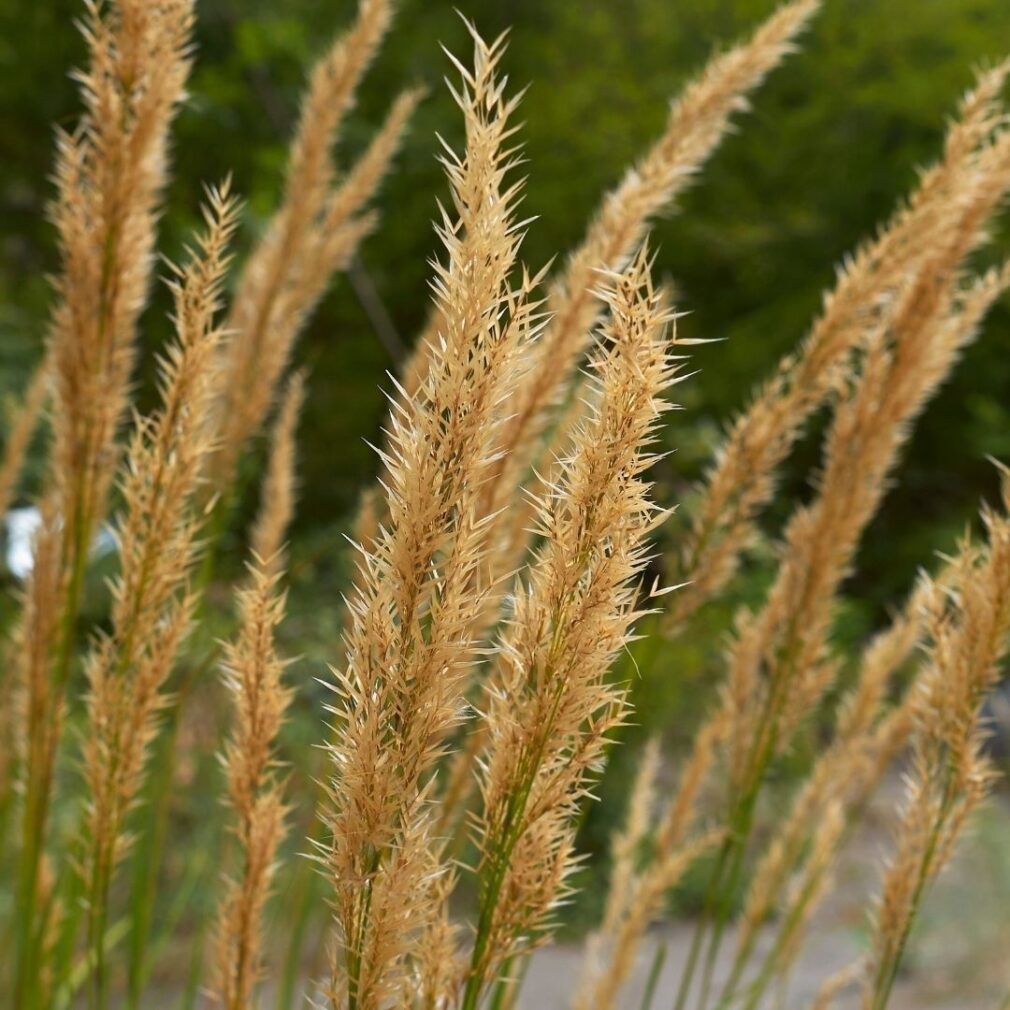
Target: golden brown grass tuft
column 20, row 429
column 314, row 233
column 699, row 118
column 892, row 358
column 949, row 773
column 110, row 172
column 152, row 605
column 951, row 198
column 550, row 706
column 253, row 673
column 409, row 640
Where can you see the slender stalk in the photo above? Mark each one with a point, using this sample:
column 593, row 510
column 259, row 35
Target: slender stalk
column 887, row 971
column 701, row 926
column 43, row 740
column 652, row 981
column 147, row 862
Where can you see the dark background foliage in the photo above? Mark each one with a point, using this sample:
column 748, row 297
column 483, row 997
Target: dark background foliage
column 834, row 140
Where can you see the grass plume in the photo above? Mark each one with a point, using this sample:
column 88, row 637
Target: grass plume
column 549, row 712
column 152, row 607
column 110, row 173
column 277, row 494
column 409, row 641
column 870, row 286
column 949, row 774
column 253, row 672
column 314, row 233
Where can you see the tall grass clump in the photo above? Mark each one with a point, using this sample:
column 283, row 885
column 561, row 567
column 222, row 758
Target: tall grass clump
column 409, row 644
column 315, row 231
column 110, row 173
column 505, row 559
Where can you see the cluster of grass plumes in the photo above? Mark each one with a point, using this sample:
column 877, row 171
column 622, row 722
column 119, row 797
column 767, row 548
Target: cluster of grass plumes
column 501, row 566
column 179, row 462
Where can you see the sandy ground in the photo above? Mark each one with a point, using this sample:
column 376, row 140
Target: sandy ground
column 960, row 961
column 554, row 974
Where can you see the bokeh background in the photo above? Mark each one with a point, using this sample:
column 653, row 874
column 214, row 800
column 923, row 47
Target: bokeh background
column 834, row 139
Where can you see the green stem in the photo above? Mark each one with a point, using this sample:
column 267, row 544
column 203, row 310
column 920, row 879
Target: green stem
column 74, row 559
column 725, row 905
column 500, row 998
column 658, row 960
column 887, row 973
column 719, row 899
column 302, row 889
column 697, row 939
column 302, row 892
column 772, row 963
column 98, row 991
column 740, row 960
column 43, row 740
column 512, row 831
column 148, row 858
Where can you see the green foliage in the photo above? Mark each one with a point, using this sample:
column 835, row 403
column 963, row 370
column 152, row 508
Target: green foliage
column 834, row 139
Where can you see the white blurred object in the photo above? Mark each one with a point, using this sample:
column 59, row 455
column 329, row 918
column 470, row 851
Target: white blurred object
column 22, row 525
